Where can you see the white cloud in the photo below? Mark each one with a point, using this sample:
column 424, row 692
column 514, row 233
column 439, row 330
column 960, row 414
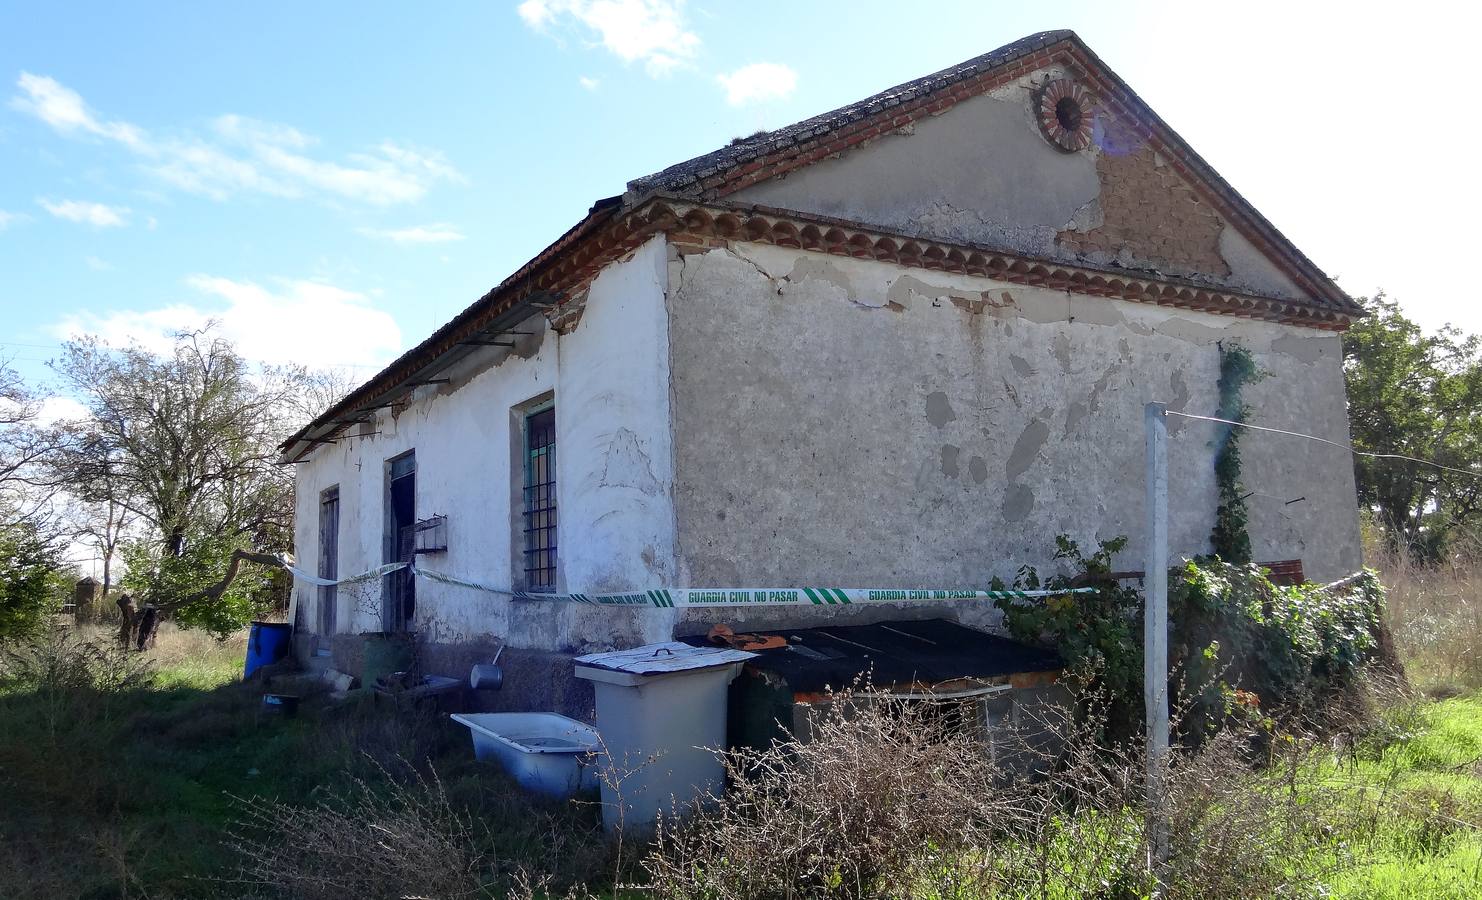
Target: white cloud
column 57, row 408
column 439, row 233
column 63, row 109
column 649, row 31
column 8, row 219
column 589, row 83
column 99, row 215
column 758, row 82
column 293, row 321
column 245, row 155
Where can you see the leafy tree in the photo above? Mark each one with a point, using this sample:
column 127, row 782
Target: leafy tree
column 31, row 573
column 1418, row 395
column 24, row 446
column 186, row 443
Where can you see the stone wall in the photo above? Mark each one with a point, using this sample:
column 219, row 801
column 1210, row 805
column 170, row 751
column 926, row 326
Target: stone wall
column 855, row 423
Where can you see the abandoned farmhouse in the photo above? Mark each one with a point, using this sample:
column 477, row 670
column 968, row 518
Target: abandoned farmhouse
column 900, row 345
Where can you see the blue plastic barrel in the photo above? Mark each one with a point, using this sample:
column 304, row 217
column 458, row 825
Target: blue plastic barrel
column 267, row 643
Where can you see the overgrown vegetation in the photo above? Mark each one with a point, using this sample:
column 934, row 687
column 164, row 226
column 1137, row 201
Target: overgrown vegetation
column 1298, row 652
column 158, row 775
column 1236, row 638
column 883, row 803
column 1436, row 611
column 883, row 793
column 1098, row 634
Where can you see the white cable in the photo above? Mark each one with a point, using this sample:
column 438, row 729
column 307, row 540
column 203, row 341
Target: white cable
column 1321, row 440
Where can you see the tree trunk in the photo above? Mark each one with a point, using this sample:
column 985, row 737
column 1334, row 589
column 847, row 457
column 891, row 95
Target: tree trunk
column 149, row 626
column 126, row 621
column 175, row 545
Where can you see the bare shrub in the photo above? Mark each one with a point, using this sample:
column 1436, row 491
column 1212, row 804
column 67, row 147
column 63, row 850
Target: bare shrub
column 880, row 791
column 395, row 840
column 882, row 801
column 71, row 682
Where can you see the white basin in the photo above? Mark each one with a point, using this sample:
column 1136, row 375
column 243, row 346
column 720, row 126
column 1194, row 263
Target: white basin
column 544, row 752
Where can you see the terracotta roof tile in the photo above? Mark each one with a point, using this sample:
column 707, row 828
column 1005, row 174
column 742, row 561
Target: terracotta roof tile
column 683, row 174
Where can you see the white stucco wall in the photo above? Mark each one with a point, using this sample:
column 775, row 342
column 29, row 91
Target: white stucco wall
column 614, row 463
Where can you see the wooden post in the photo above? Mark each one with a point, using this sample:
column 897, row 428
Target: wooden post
column 1155, row 630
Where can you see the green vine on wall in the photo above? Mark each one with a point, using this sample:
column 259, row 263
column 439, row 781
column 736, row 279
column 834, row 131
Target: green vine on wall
column 1230, row 538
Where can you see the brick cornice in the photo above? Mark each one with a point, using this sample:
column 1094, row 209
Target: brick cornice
column 717, row 223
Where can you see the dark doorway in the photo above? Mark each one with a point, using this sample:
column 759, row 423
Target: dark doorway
column 401, row 541
column 329, row 558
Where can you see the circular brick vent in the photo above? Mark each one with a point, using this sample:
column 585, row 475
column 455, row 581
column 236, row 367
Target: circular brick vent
column 1066, row 113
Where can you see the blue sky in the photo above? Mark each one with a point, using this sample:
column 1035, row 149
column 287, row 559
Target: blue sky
column 331, row 181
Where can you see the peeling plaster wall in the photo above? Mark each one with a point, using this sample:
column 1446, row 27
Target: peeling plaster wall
column 614, row 467
column 981, row 172
column 851, row 422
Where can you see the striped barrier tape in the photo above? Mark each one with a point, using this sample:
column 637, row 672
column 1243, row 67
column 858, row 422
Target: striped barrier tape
column 378, row 572
column 671, row 598
column 679, row 598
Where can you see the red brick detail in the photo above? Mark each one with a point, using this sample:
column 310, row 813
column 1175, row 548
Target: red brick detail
column 703, row 226
column 1066, row 113
column 1149, row 210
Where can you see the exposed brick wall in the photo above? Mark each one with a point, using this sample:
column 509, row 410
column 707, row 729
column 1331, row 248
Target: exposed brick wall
column 1150, row 212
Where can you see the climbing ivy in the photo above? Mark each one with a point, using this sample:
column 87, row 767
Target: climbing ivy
column 1230, row 539
column 1288, row 649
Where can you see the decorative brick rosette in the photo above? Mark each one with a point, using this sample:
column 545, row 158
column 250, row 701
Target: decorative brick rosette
column 1066, row 113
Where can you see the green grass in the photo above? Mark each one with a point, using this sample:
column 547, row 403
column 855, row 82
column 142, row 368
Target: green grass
column 1413, row 804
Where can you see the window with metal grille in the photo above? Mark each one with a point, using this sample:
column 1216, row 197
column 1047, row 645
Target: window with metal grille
column 329, row 558
column 540, row 500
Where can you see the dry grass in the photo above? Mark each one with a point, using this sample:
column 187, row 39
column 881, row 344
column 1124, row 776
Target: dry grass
column 395, row 840
column 885, row 802
column 880, row 791
column 1436, row 612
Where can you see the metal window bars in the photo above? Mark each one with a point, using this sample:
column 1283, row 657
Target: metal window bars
column 540, row 500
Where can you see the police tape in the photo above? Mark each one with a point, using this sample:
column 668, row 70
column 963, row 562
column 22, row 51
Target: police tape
column 378, row 572
column 679, row 598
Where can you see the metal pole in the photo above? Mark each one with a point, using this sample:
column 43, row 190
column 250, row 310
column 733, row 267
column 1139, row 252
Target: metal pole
column 1155, row 628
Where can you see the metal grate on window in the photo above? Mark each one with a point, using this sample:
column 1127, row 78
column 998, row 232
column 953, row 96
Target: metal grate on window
column 540, row 500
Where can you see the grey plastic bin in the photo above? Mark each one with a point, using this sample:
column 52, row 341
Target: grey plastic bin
column 661, row 710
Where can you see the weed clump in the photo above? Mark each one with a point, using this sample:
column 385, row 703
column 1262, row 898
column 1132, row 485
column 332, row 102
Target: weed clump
column 880, row 791
column 396, row 839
